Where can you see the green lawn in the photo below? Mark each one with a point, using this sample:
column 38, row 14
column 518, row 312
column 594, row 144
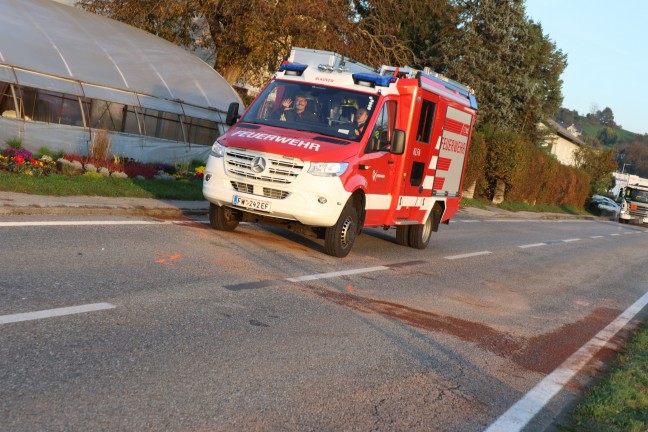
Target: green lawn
column 62, row 185
column 620, row 401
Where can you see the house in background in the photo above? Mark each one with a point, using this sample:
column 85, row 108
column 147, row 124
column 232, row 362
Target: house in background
column 561, row 142
column 66, row 73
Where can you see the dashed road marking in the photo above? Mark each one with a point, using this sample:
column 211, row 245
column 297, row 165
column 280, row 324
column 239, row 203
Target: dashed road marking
column 316, row 276
column 49, row 313
column 523, row 411
column 336, row 274
column 549, row 243
column 77, row 223
column 468, row 255
column 532, row 245
column 596, row 237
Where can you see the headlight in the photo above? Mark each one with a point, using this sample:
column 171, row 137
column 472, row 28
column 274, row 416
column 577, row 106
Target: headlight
column 217, row 150
column 328, row 169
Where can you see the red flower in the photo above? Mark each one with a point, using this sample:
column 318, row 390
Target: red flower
column 19, row 160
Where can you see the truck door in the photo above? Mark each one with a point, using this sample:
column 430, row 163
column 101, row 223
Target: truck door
column 376, row 164
column 416, row 186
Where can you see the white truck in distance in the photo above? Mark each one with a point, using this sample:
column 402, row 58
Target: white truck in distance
column 331, row 146
column 634, row 204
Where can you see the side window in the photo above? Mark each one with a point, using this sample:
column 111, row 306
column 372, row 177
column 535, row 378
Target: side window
column 425, row 122
column 106, row 115
column 381, row 135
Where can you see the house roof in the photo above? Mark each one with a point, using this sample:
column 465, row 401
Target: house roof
column 60, row 40
column 564, row 133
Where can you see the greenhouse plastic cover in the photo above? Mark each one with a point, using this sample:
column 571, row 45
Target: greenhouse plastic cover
column 55, row 39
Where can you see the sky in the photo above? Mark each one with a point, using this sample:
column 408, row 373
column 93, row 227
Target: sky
column 606, row 43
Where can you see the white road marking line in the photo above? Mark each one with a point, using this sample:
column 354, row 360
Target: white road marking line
column 614, row 234
column 532, row 245
column 49, row 313
column 336, row 274
column 538, row 220
column 595, row 237
column 571, row 240
column 469, row 220
column 76, row 223
column 468, row 255
column 523, row 411
column 514, row 220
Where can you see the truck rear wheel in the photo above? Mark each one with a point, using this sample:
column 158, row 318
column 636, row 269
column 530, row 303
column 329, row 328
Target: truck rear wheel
column 402, row 235
column 419, row 235
column 222, row 218
column 339, row 238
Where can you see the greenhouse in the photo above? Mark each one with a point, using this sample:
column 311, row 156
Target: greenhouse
column 66, row 73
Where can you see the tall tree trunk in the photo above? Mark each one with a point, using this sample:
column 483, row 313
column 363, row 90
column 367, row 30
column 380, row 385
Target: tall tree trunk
column 470, row 191
column 500, row 189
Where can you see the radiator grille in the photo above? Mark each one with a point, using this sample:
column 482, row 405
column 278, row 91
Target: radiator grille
column 262, row 191
column 278, row 170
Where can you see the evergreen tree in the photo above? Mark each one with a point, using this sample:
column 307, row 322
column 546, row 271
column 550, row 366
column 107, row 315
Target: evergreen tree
column 514, row 68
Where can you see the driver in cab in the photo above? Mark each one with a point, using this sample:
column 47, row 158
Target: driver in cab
column 298, row 112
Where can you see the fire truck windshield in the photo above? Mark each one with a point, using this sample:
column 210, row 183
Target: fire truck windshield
column 313, row 108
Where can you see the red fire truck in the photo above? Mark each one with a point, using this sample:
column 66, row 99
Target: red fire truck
column 302, row 157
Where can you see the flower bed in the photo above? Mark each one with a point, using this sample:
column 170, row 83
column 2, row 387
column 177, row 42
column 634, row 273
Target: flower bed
column 21, row 161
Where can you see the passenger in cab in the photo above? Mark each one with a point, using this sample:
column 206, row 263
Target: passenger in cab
column 360, row 121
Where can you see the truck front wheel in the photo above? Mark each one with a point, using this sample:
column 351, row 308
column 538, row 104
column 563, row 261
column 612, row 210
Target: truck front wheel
column 419, row 235
column 222, row 218
column 339, row 238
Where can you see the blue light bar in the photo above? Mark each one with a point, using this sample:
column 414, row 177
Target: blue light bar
column 373, row 79
column 293, row 67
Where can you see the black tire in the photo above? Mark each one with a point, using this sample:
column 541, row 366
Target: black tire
column 339, row 238
column 402, row 235
column 222, row 218
column 419, row 235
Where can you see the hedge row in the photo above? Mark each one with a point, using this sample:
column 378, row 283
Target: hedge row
column 529, row 173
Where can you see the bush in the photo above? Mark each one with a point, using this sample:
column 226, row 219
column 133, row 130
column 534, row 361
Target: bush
column 530, row 174
column 15, row 143
column 100, row 146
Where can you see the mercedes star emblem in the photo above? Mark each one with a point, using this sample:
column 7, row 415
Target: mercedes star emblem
column 258, row 164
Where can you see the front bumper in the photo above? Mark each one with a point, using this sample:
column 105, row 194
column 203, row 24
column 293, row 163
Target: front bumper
column 310, row 200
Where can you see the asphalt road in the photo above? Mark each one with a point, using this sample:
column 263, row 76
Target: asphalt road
column 190, row 329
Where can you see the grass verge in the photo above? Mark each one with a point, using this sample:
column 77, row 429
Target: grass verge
column 620, row 402
column 518, row 206
column 540, row 208
column 62, row 185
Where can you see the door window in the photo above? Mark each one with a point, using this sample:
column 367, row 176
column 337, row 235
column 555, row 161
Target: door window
column 381, row 135
column 425, row 122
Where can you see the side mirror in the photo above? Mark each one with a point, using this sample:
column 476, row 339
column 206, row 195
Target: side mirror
column 232, row 114
column 398, row 142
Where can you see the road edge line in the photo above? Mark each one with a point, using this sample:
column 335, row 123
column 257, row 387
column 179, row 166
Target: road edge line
column 523, row 411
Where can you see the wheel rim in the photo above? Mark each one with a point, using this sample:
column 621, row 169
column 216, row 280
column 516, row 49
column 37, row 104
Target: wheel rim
column 228, row 215
column 347, row 233
column 427, row 229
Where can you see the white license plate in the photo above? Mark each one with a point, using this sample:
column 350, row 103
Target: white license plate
column 251, row 204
